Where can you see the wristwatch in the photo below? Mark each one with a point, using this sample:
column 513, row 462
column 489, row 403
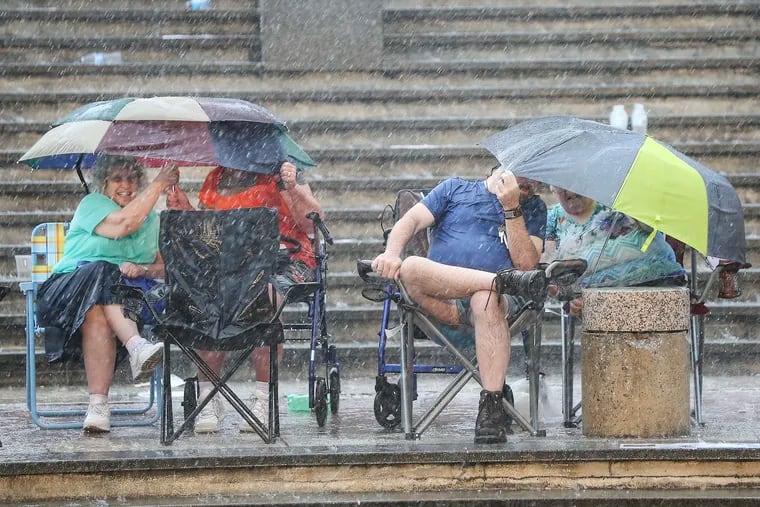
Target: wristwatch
column 512, row 213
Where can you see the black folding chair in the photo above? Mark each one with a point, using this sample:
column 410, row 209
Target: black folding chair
column 218, row 268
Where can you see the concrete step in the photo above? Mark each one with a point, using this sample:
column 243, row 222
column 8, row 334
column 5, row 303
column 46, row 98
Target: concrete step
column 116, row 6
column 398, row 168
column 633, row 43
column 728, row 324
column 493, row 16
column 593, row 100
column 548, row 68
column 720, row 358
column 345, row 288
column 22, row 134
column 185, row 42
column 182, row 46
column 27, row 200
column 461, row 18
column 117, row 29
column 344, row 222
column 411, row 42
column 156, row 79
column 343, row 254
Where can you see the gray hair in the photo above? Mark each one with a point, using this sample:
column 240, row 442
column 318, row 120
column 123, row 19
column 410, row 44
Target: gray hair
column 106, row 164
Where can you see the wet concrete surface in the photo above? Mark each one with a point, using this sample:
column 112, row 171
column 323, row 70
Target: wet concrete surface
column 731, row 413
column 352, row 460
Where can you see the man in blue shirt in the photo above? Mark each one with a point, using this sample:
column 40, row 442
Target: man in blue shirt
column 477, row 228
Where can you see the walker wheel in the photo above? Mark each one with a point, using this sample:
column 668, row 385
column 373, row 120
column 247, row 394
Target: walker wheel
column 320, row 401
column 334, row 391
column 388, row 406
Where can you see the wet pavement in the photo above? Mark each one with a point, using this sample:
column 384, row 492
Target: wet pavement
column 731, row 413
column 353, row 460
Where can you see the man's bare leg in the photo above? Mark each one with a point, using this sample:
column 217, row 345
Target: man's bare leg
column 492, row 340
column 432, row 285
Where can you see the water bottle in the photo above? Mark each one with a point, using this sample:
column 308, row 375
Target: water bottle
column 639, row 119
column 92, row 58
column 100, row 58
column 618, row 117
column 199, row 5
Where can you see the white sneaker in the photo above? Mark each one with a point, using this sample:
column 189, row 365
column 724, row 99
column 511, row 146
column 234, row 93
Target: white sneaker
column 98, row 418
column 208, row 419
column 259, row 404
column 145, row 359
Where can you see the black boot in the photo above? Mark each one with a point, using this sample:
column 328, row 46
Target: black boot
column 491, row 424
column 528, row 284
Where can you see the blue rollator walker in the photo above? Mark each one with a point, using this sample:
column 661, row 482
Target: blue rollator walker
column 323, row 390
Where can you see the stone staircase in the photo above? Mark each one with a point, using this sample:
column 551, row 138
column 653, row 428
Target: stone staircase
column 452, row 74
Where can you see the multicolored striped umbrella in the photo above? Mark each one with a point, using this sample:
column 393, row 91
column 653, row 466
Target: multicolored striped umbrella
column 197, row 131
column 632, row 173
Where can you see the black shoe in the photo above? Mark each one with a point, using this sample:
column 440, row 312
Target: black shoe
column 528, row 284
column 491, row 424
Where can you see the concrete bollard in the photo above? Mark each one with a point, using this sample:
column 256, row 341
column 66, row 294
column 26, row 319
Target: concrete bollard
column 635, row 355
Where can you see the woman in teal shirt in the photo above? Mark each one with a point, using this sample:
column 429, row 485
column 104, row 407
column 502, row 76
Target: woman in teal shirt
column 113, row 234
column 611, row 243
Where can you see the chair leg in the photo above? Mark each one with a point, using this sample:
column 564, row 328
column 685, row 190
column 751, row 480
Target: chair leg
column 274, row 408
column 446, row 396
column 167, row 417
column 533, row 374
column 407, row 376
column 168, row 434
column 697, row 345
column 567, row 329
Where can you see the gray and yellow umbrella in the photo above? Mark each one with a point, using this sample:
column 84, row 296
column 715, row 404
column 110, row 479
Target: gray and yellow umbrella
column 632, row 173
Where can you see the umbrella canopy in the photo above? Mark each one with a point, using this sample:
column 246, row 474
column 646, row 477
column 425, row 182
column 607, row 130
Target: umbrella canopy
column 632, row 173
column 187, row 130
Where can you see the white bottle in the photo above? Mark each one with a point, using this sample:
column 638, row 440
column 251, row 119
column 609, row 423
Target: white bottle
column 618, row 117
column 92, row 58
column 112, row 58
column 639, row 119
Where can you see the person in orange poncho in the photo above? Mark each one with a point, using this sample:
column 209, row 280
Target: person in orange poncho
column 291, row 196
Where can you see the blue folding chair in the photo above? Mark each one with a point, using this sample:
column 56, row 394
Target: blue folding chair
column 47, row 248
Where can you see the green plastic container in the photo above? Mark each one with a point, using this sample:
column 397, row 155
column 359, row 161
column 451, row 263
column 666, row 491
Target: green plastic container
column 298, row 403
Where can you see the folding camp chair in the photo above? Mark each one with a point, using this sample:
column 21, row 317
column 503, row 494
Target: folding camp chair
column 218, row 268
column 393, row 403
column 47, row 249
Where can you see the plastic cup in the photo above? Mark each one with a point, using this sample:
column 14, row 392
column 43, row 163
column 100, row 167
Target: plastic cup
column 24, row 267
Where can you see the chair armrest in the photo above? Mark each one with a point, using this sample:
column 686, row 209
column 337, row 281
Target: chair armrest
column 25, row 287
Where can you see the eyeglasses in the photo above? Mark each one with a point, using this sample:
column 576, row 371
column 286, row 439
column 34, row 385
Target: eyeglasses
column 121, row 178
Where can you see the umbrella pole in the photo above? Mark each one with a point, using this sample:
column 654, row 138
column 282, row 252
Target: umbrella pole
column 81, row 176
column 697, row 341
column 604, row 245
